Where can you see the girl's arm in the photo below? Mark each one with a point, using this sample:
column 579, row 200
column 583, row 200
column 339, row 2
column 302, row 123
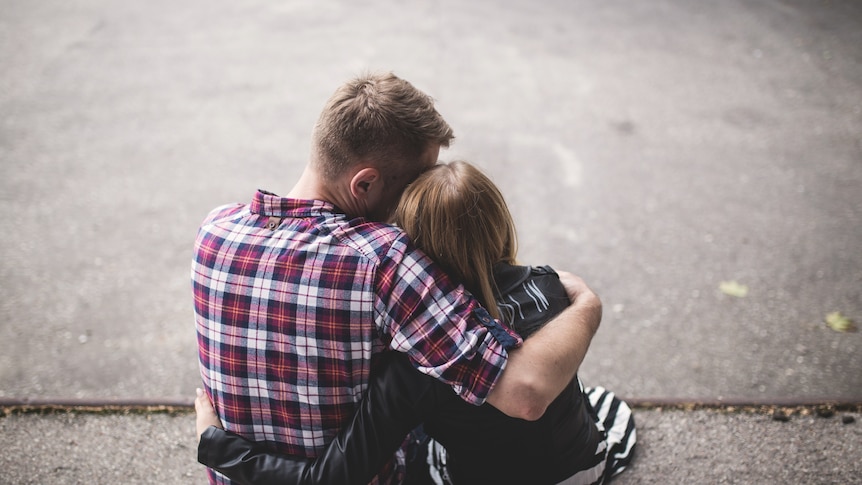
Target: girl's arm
column 398, row 399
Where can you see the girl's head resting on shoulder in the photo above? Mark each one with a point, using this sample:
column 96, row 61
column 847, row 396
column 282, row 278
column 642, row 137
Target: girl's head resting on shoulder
column 456, row 215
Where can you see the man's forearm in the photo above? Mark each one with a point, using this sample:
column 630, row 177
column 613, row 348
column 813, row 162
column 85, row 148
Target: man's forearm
column 537, row 372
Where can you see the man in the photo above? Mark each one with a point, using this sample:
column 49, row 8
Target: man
column 294, row 296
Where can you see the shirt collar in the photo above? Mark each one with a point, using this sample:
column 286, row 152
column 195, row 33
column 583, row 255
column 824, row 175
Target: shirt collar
column 270, row 205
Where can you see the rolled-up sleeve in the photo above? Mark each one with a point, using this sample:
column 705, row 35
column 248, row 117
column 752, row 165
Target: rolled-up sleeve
column 441, row 327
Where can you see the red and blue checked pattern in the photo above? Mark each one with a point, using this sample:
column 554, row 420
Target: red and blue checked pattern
column 292, row 300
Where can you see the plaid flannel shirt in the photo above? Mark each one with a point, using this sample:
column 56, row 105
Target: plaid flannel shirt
column 293, row 298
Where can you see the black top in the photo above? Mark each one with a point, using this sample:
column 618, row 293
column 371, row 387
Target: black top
column 483, row 444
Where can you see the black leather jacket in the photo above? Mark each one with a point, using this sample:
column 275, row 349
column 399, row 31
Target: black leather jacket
column 484, row 445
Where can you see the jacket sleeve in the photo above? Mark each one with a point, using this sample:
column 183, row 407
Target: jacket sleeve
column 399, row 398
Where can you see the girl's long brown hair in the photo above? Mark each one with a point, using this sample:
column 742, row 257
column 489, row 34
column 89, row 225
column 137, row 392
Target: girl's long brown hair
column 458, row 216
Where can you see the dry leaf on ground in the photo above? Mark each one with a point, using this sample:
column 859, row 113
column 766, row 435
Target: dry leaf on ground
column 838, row 322
column 733, row 288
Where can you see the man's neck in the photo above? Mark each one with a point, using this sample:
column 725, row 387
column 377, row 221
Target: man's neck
column 308, row 187
column 312, row 186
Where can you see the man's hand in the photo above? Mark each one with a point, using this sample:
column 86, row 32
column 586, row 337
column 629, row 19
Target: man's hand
column 547, row 361
column 205, row 415
column 577, row 288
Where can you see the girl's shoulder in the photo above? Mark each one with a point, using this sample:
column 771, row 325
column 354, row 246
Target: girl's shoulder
column 508, row 277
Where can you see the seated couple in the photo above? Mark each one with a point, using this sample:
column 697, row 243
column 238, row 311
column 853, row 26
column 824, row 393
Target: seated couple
column 456, row 215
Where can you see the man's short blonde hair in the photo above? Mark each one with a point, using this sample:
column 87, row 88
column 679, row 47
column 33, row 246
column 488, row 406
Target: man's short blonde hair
column 379, row 118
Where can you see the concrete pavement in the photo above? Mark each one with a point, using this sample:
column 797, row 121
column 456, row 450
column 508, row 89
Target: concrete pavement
column 657, row 149
column 675, row 446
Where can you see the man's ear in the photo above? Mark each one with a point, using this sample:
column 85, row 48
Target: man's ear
column 365, row 182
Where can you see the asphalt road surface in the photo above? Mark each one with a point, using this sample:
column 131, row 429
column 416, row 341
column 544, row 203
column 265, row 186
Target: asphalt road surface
column 658, row 149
